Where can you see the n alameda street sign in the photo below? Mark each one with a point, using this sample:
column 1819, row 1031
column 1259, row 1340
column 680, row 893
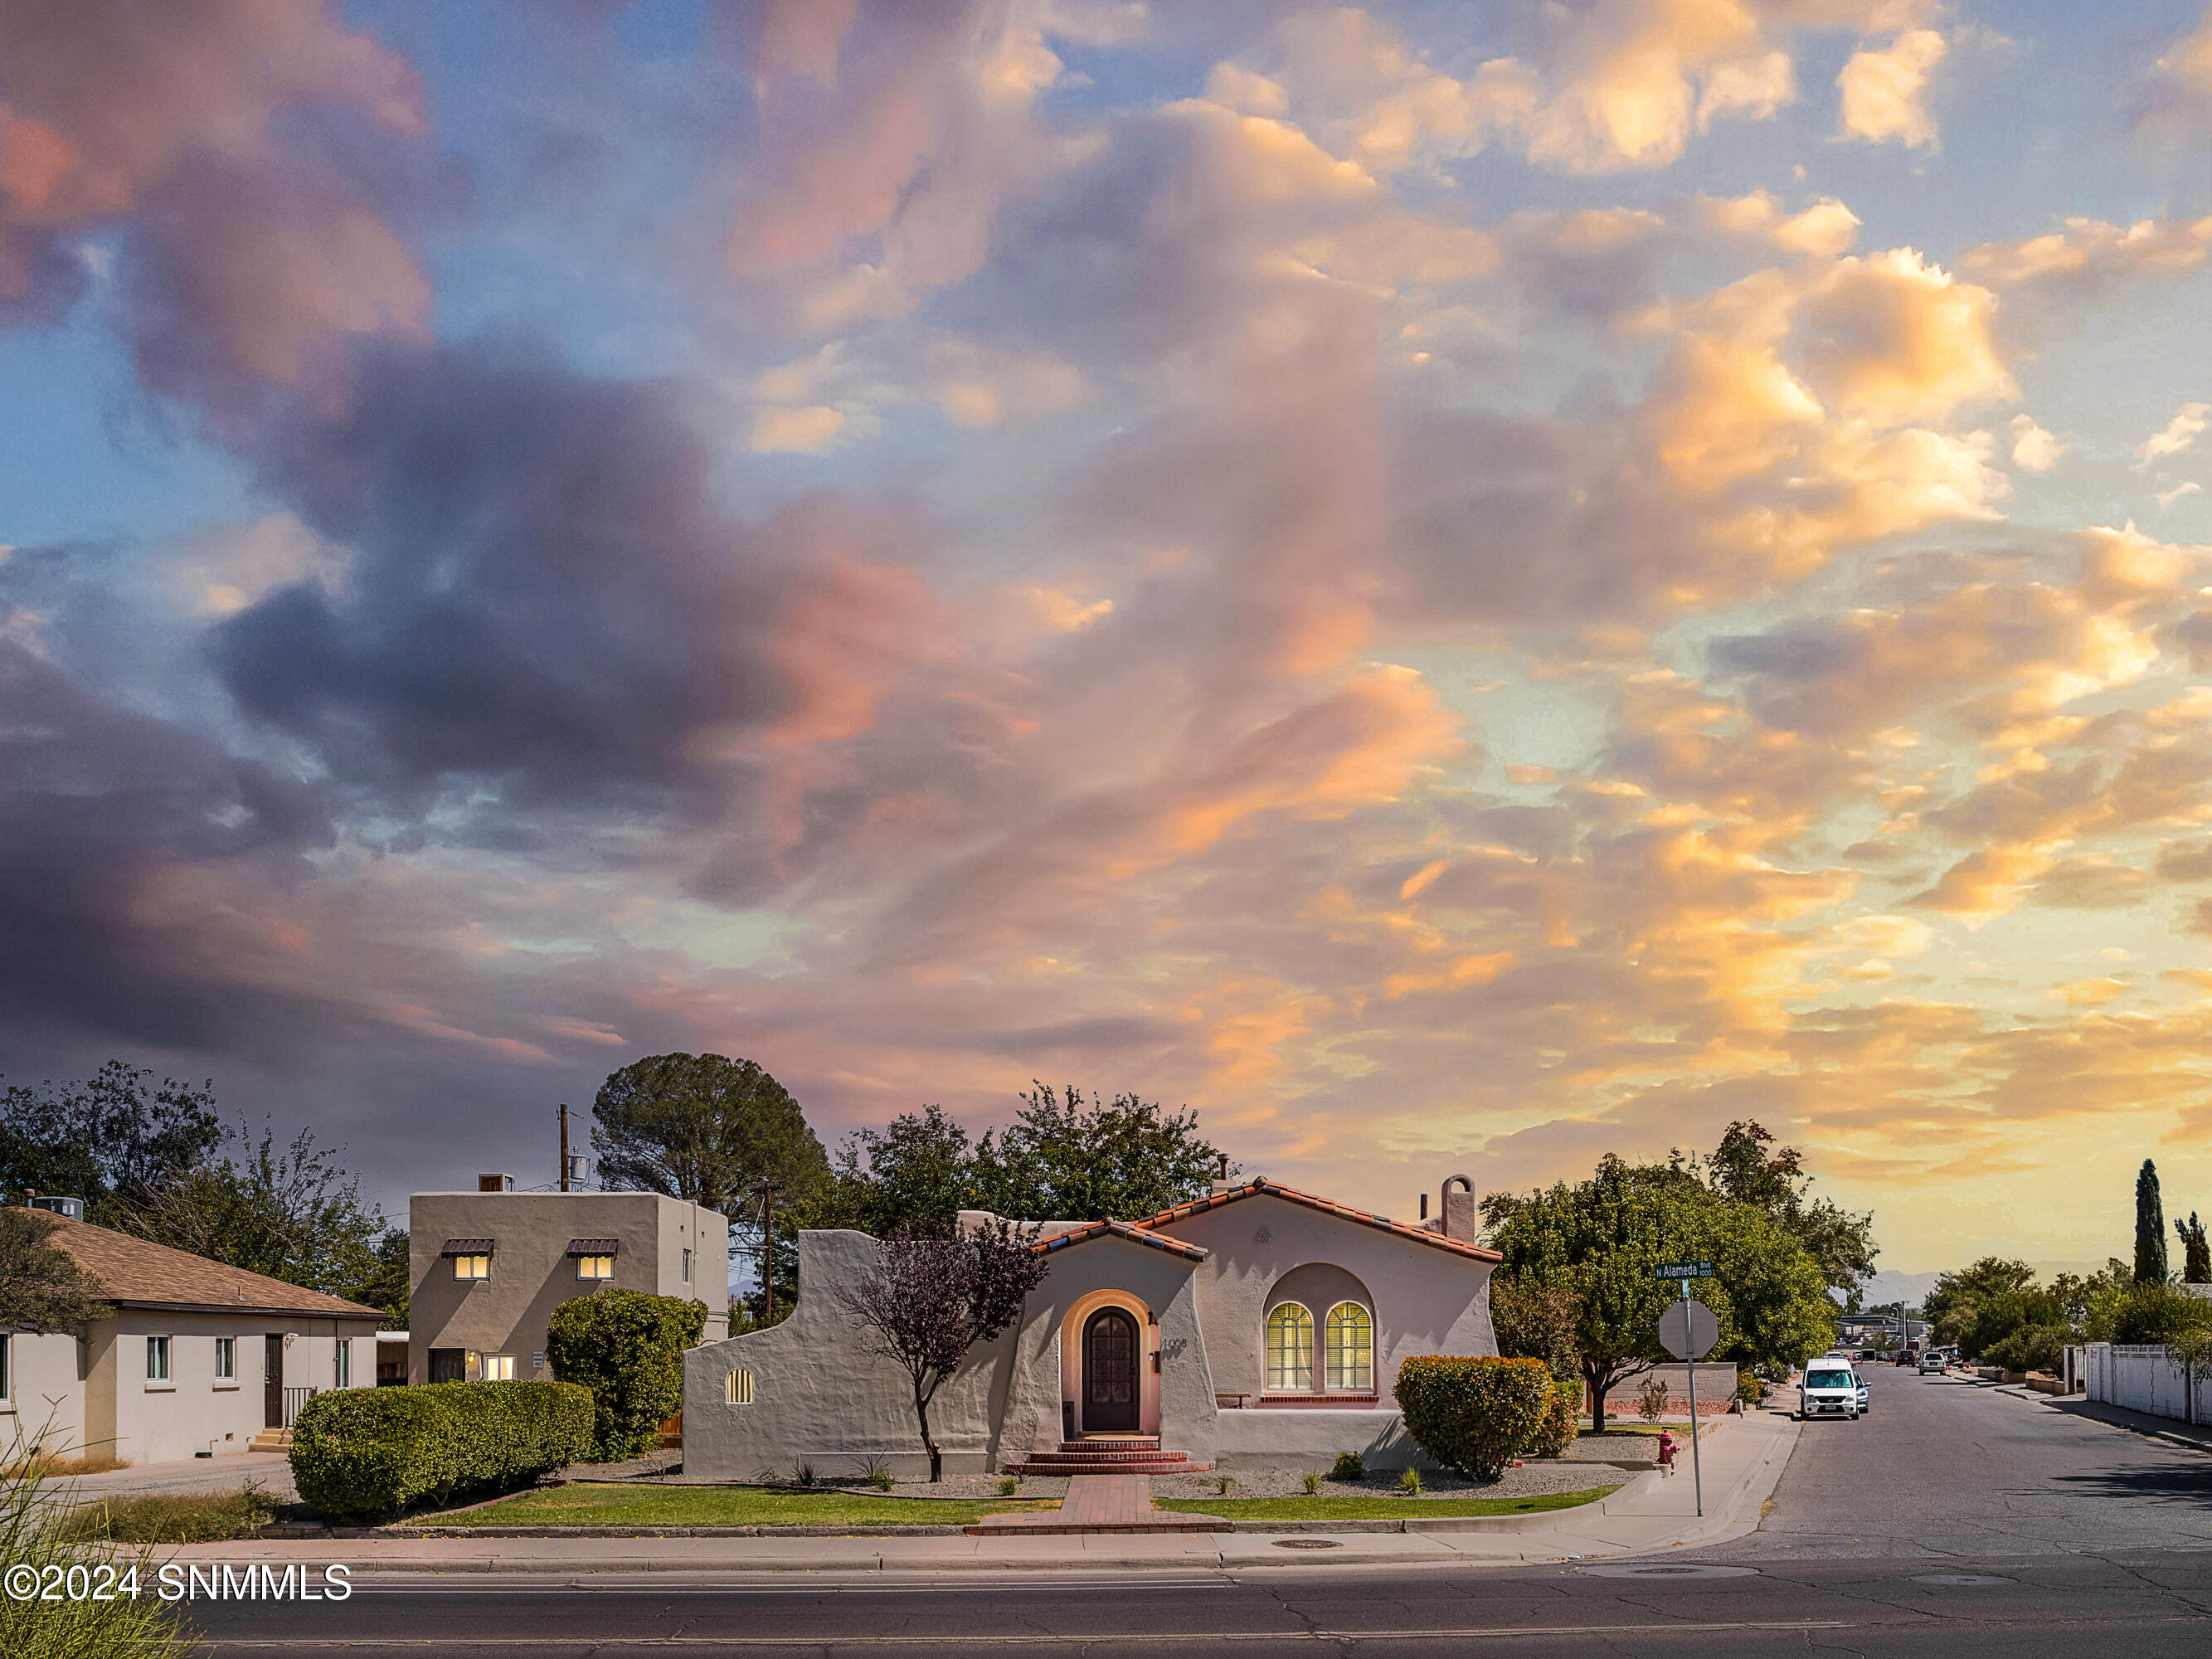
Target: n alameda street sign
column 1688, row 1330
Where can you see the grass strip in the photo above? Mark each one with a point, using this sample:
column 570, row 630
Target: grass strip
column 593, row 1505
column 197, row 1517
column 1377, row 1509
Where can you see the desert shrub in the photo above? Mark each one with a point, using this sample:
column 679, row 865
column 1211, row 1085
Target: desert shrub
column 627, row 1348
column 1409, row 1482
column 1747, row 1387
column 1349, row 1465
column 1311, row 1481
column 880, row 1479
column 359, row 1452
column 1008, row 1485
column 38, row 1532
column 2031, row 1348
column 1474, row 1415
column 1556, row 1430
column 1651, row 1399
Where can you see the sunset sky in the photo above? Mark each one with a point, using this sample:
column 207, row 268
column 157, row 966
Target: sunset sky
column 1455, row 585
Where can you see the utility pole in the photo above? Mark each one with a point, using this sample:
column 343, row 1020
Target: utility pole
column 564, row 1146
column 767, row 1253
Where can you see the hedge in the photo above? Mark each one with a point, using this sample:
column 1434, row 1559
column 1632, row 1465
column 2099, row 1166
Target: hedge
column 1475, row 1415
column 362, row 1452
column 627, row 1348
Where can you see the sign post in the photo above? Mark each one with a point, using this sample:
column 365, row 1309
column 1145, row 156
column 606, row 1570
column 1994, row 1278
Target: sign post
column 1688, row 1330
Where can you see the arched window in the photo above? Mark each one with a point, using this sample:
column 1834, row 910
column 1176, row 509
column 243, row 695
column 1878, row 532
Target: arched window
column 738, row 1387
column 1350, row 1349
column 1290, row 1348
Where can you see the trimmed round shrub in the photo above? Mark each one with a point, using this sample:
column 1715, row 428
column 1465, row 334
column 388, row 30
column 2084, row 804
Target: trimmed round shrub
column 627, row 1348
column 1349, row 1465
column 365, row 1452
column 1556, row 1428
column 1474, row 1415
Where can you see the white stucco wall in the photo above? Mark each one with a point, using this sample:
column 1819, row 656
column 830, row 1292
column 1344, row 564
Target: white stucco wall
column 45, row 1397
column 195, row 1411
column 818, row 1394
column 1425, row 1300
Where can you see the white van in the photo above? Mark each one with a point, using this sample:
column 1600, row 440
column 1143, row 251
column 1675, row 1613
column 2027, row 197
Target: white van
column 1829, row 1389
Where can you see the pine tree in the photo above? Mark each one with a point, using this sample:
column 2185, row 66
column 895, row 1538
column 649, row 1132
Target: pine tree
column 2150, row 1228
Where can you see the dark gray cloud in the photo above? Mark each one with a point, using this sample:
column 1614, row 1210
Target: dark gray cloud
column 542, row 590
column 99, row 806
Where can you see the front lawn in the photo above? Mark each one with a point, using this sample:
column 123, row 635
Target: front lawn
column 1377, row 1508
column 589, row 1506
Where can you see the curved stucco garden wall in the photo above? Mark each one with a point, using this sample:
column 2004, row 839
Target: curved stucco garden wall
column 820, row 1395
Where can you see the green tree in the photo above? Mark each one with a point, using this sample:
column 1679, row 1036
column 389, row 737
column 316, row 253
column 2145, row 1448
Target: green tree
column 113, row 1139
column 2153, row 1311
column 720, row 1132
column 1600, row 1241
column 914, row 1176
column 292, row 1212
column 388, row 1284
column 42, row 1288
column 1950, row 1305
column 627, row 1348
column 2000, row 1316
column 2150, row 1226
column 1743, row 1170
column 1068, row 1158
column 2077, row 1294
column 1535, row 1322
column 2197, row 1257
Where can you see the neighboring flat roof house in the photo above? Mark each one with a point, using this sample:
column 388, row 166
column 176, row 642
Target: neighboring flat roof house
column 200, row 1356
column 487, row 1268
column 1259, row 1326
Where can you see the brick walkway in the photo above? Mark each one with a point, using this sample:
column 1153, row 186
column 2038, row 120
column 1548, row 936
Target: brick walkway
column 1103, row 1503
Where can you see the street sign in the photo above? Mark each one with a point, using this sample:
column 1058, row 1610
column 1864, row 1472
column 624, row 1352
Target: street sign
column 1688, row 1330
column 1683, row 1270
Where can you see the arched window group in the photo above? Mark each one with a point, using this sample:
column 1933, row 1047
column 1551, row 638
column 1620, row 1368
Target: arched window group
column 1347, row 1350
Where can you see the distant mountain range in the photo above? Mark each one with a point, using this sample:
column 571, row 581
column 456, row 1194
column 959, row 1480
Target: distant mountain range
column 1890, row 1285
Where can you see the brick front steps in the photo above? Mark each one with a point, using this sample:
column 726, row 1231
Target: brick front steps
column 1121, row 1454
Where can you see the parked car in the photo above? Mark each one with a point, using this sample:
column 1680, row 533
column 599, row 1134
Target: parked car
column 1933, row 1363
column 1830, row 1388
column 1858, row 1380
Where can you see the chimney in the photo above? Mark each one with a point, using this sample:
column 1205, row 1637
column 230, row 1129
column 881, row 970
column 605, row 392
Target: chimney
column 494, row 1183
column 1222, row 1183
column 1458, row 1218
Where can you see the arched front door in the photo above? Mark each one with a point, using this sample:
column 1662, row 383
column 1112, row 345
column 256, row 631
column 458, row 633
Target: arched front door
column 1109, row 1371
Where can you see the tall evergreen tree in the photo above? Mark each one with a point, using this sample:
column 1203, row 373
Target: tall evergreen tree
column 2150, row 1227
column 2196, row 1253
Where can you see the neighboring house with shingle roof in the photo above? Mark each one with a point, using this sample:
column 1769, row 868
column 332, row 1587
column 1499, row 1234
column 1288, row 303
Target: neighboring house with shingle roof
column 1259, row 1326
column 200, row 1356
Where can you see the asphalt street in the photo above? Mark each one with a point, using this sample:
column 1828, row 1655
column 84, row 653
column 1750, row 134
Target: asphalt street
column 1949, row 1515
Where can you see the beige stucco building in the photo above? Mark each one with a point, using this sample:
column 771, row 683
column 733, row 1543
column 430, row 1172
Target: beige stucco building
column 200, row 1357
column 487, row 1268
column 1259, row 1326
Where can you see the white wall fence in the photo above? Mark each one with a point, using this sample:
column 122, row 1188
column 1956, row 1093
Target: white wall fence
column 2141, row 1377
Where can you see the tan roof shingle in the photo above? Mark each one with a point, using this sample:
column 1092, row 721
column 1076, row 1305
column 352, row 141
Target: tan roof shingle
column 139, row 1273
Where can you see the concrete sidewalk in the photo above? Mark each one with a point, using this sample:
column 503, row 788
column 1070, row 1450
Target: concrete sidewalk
column 1742, row 1465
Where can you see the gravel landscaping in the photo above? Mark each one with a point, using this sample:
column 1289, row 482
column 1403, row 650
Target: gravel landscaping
column 1531, row 1480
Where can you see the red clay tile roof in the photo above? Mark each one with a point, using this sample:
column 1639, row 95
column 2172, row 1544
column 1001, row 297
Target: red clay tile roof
column 1134, row 1233
column 1254, row 1189
column 138, row 1273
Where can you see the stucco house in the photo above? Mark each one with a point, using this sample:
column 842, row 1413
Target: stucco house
column 486, row 1269
column 1258, row 1327
column 200, row 1357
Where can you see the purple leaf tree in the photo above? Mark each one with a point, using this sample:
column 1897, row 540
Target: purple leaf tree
column 933, row 1299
